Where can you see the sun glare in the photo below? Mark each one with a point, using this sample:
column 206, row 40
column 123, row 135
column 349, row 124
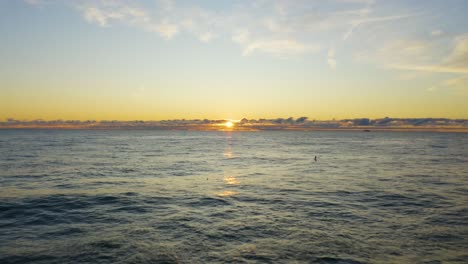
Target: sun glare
column 229, row 124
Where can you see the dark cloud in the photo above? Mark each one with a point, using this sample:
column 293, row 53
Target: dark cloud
column 301, row 123
column 361, row 122
column 301, row 119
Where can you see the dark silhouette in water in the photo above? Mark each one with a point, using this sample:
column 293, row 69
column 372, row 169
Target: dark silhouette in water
column 315, row 158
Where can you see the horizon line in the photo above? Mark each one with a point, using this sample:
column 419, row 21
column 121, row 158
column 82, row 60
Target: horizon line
column 283, row 124
column 12, row 119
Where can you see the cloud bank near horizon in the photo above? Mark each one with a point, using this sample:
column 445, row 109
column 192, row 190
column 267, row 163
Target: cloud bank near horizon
column 301, row 123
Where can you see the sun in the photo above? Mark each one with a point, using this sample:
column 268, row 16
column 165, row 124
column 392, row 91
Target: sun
column 228, row 124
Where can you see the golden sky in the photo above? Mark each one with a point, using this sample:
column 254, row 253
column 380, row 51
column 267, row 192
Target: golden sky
column 154, row 60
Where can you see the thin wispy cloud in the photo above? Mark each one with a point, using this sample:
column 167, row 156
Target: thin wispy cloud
column 164, row 28
column 459, row 56
column 279, row 28
column 429, row 68
column 34, row 2
column 281, row 47
column 456, row 81
column 241, row 36
column 285, row 29
column 206, row 37
column 436, row 32
column 399, row 53
column 459, row 84
column 355, row 23
column 454, row 63
column 93, row 14
column 331, row 59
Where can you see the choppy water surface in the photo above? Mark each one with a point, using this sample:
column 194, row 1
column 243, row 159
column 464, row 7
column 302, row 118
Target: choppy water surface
column 197, row 197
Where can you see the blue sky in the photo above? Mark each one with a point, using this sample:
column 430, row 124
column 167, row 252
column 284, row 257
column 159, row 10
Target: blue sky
column 116, row 59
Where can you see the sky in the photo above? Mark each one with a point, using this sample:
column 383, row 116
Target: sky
column 222, row 59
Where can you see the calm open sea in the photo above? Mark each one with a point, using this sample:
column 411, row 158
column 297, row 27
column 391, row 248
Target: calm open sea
column 223, row 197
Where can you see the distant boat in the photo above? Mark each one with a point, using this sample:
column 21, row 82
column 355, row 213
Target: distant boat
column 366, row 130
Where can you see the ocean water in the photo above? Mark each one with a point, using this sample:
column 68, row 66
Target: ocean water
column 226, row 197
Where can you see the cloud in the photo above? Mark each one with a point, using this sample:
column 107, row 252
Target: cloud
column 276, row 26
column 400, row 53
column 458, row 84
column 459, row 56
column 270, row 27
column 369, row 2
column 289, row 124
column 164, row 28
column 93, row 14
column 428, row 68
column 432, row 88
column 436, row 32
column 331, row 59
column 461, row 81
column 115, row 11
column 104, row 15
column 279, row 28
column 166, row 5
column 280, row 47
column 34, row 2
column 301, row 119
column 455, row 62
column 355, row 23
column 240, row 36
column 206, row 37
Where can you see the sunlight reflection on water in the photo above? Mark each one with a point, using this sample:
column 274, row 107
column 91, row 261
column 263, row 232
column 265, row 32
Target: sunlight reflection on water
column 227, row 193
column 198, row 197
column 231, row 180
